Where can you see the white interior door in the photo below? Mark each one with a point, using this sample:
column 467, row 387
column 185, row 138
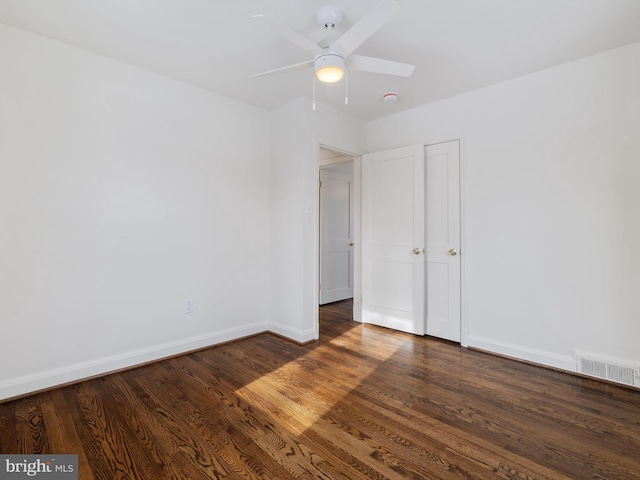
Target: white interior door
column 336, row 236
column 442, row 232
column 393, row 239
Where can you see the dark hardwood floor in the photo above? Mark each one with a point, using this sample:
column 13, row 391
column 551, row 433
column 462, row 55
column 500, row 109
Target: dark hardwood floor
column 362, row 402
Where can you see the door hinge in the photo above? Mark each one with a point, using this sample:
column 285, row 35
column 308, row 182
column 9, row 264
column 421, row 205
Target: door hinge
column 320, row 287
column 320, row 183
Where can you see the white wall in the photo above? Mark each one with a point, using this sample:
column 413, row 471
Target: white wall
column 122, row 193
column 297, row 132
column 551, row 175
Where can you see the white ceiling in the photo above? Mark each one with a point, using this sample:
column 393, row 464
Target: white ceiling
column 456, row 45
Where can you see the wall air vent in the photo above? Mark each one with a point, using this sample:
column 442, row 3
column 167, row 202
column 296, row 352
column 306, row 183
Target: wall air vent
column 615, row 370
column 592, row 367
column 621, row 374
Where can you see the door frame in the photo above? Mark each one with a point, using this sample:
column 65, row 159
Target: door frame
column 356, row 229
column 357, row 187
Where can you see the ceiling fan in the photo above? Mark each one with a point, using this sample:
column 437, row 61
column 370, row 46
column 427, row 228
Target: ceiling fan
column 331, row 61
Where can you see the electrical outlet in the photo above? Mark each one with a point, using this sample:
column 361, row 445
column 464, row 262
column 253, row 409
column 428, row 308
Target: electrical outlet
column 188, row 306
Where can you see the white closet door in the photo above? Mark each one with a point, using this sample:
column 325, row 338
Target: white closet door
column 442, row 232
column 393, row 289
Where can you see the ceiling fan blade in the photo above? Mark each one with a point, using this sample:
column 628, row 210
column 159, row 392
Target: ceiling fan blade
column 303, row 43
column 365, row 27
column 378, row 65
column 296, row 66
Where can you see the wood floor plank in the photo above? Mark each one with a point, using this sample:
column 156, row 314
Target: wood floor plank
column 31, row 434
column 115, row 439
column 362, row 402
column 150, row 437
column 61, row 430
column 168, row 401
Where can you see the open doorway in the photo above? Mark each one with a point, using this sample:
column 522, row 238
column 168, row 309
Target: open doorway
column 337, row 237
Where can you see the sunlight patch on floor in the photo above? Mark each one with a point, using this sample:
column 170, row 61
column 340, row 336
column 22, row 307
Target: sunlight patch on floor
column 276, row 392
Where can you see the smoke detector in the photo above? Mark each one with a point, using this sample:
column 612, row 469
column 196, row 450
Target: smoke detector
column 390, row 97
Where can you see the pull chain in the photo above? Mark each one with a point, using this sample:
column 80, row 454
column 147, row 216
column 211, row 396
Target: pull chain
column 313, row 104
column 346, row 85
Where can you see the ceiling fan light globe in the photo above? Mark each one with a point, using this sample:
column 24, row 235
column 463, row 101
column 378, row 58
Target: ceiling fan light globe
column 329, row 67
column 330, row 74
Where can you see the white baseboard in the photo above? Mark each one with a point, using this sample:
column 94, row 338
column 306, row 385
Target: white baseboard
column 563, row 362
column 73, row 373
column 300, row 336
